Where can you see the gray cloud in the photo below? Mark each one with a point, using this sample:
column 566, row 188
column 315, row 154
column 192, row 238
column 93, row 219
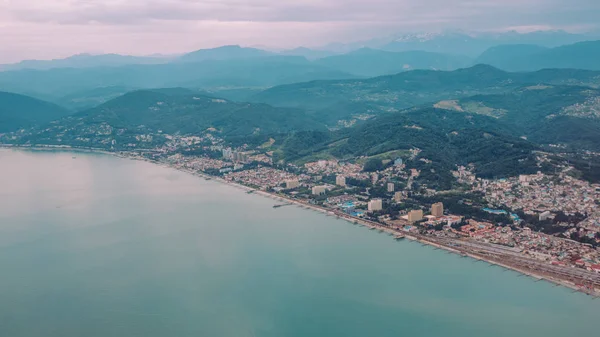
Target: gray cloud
column 55, row 28
column 135, row 11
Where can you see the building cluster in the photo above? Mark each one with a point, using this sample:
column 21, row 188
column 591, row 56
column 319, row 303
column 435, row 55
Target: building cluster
column 537, row 245
column 236, row 156
column 545, row 195
column 588, row 109
column 196, row 163
column 334, row 167
column 538, row 194
column 261, row 158
column 262, row 177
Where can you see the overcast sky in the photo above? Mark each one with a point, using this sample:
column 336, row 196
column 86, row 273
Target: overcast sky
column 46, row 29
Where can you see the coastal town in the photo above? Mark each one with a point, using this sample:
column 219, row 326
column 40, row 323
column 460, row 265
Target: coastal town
column 546, row 226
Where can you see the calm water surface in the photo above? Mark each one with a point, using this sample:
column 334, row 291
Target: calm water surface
column 101, row 246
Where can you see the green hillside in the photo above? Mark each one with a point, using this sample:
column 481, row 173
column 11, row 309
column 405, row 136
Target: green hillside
column 178, row 112
column 86, row 99
column 168, row 111
column 445, row 138
column 544, row 114
column 19, row 111
column 497, row 132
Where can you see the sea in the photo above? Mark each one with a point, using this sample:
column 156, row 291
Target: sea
column 95, row 245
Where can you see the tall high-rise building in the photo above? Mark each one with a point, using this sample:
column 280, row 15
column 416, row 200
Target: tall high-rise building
column 415, row 215
column 319, row 190
column 340, row 181
column 437, row 209
column 292, row 183
column 398, row 196
column 545, row 216
column 374, row 178
column 390, row 187
column 375, row 205
column 239, row 157
column 227, row 153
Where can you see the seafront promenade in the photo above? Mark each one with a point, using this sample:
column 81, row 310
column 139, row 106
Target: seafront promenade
column 574, row 279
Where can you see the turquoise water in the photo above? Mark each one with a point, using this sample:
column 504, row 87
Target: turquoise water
column 101, row 246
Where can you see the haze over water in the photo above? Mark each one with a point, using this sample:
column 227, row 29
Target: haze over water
column 102, row 246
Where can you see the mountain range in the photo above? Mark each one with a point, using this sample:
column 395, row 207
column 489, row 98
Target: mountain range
column 128, row 118
column 369, row 62
column 480, row 115
column 581, row 55
column 470, row 44
column 231, row 52
column 413, row 88
column 238, row 72
column 85, row 61
column 54, row 84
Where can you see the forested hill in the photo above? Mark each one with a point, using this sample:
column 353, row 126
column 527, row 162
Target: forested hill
column 19, row 111
column 445, row 139
column 545, row 114
column 417, row 87
column 169, row 111
column 175, row 111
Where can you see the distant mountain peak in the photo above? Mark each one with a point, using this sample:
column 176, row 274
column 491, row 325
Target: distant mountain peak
column 483, row 69
column 227, row 52
column 231, row 46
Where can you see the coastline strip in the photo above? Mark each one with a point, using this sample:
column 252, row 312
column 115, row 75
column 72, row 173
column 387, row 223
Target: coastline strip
column 355, row 220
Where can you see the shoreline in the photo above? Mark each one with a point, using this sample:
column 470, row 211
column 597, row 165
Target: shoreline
column 398, row 234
